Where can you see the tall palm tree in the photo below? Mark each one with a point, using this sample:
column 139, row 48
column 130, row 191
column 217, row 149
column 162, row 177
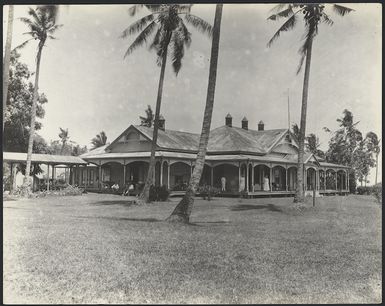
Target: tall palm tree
column 183, row 210
column 373, row 147
column 170, row 31
column 99, row 140
column 42, row 25
column 63, row 135
column 313, row 15
column 7, row 59
column 377, row 152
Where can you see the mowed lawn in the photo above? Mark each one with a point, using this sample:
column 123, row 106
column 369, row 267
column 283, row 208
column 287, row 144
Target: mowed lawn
column 100, row 249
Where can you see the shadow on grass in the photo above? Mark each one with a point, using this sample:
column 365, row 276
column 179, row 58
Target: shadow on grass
column 9, row 199
column 111, row 202
column 121, row 219
column 214, row 222
column 241, row 207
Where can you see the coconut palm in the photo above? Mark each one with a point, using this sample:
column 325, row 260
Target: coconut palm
column 314, row 14
column 63, row 135
column 42, row 25
column 148, row 119
column 7, row 59
column 99, row 140
column 170, row 31
column 183, row 210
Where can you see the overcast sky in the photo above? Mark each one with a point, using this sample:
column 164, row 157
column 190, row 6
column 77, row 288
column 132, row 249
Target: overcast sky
column 90, row 87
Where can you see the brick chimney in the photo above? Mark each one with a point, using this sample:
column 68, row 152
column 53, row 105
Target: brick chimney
column 261, row 126
column 245, row 123
column 229, row 120
column 162, row 123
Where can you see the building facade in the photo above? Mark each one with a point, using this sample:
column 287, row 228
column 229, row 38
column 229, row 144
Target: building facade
column 238, row 160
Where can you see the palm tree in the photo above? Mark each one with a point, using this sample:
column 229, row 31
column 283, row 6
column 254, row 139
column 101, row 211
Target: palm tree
column 7, row 59
column 170, row 31
column 42, row 24
column 149, row 119
column 183, row 210
column 313, row 15
column 99, row 140
column 63, row 135
column 373, row 146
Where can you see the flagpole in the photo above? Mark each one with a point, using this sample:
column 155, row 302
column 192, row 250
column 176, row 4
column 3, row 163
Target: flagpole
column 288, row 109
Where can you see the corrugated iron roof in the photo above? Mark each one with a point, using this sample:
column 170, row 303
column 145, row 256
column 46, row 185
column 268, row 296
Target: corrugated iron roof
column 175, row 140
column 233, row 139
column 222, row 139
column 44, row 158
column 323, row 164
column 99, row 150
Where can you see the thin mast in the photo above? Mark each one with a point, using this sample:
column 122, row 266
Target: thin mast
column 288, row 109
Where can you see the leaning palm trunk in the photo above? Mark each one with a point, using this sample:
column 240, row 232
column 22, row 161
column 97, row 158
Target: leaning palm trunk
column 27, row 178
column 300, row 190
column 7, row 59
column 145, row 194
column 183, row 210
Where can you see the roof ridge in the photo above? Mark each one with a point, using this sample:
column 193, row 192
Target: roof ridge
column 168, row 130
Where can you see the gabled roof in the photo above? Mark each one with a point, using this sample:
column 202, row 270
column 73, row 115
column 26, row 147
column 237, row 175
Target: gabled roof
column 222, row 139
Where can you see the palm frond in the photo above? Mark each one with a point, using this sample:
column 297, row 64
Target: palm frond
column 198, row 23
column 34, row 14
column 156, row 39
column 52, row 29
column 137, row 26
column 326, row 19
column 22, row 45
column 279, row 7
column 25, row 20
column 186, row 35
column 184, row 8
column 288, row 25
column 177, row 51
column 51, row 11
column 141, row 39
column 341, row 10
column 51, row 37
column 282, row 14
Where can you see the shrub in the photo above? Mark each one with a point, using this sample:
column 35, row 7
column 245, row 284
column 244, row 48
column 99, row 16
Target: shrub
column 68, row 191
column 159, row 193
column 364, row 190
column 377, row 192
column 22, row 191
column 207, row 191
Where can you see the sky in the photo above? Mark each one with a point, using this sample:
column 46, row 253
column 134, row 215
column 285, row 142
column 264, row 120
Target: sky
column 90, row 86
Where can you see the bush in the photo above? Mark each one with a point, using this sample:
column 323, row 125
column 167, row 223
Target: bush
column 377, row 192
column 207, row 191
column 68, row 191
column 159, row 193
column 364, row 190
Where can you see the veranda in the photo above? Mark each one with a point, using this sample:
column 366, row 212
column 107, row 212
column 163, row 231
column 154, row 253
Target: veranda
column 244, row 176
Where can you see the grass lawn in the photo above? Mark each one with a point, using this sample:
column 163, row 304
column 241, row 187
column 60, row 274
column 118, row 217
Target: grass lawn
column 96, row 248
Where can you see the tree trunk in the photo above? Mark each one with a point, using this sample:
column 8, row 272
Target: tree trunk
column 27, row 178
column 7, row 59
column 183, row 210
column 299, row 194
column 145, row 194
column 375, row 181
